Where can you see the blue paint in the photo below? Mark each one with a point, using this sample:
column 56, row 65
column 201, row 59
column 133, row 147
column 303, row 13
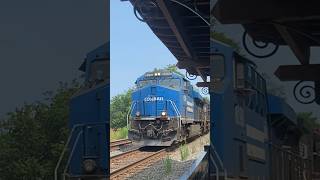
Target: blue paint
column 228, row 134
column 278, row 106
column 244, row 144
column 89, row 118
column 91, row 110
column 166, row 108
column 151, row 99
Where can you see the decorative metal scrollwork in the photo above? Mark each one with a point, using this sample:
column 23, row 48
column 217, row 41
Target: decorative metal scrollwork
column 191, row 76
column 304, row 93
column 205, row 90
column 260, row 46
column 144, row 9
column 194, row 11
column 147, row 8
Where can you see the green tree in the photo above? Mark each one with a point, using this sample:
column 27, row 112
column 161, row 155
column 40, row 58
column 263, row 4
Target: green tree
column 219, row 36
column 32, row 137
column 307, row 121
column 120, row 106
column 173, row 68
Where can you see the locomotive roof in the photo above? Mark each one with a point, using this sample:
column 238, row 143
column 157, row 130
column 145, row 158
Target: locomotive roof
column 195, row 91
column 102, row 52
column 163, row 73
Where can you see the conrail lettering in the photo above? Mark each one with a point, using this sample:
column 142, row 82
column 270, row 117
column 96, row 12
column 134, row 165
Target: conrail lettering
column 153, row 99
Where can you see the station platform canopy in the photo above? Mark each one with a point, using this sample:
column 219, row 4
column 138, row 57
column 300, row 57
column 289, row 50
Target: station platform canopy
column 294, row 23
column 183, row 27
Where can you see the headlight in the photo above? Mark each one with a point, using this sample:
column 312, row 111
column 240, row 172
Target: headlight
column 137, row 113
column 89, row 165
column 163, row 113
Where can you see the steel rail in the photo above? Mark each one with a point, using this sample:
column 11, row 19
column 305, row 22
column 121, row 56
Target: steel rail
column 126, row 168
column 118, row 143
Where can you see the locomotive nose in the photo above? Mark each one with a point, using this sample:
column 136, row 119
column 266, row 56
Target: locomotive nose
column 156, row 90
column 154, row 101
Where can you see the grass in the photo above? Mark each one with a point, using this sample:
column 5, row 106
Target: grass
column 121, row 133
column 184, row 152
column 167, row 165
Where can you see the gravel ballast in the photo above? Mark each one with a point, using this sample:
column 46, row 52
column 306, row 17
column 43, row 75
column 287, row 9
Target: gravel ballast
column 178, row 167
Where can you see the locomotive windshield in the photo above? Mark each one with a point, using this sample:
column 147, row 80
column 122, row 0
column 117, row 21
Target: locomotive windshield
column 172, row 83
column 144, row 83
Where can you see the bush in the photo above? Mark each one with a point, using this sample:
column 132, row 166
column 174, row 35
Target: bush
column 119, row 107
column 167, row 165
column 121, row 133
column 33, row 136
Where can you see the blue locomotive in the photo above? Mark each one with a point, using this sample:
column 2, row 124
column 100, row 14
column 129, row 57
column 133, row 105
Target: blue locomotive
column 254, row 135
column 85, row 154
column 166, row 108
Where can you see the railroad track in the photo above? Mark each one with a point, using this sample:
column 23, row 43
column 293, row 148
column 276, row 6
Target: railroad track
column 115, row 145
column 131, row 162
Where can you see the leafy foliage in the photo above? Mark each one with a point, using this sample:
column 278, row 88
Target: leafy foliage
column 219, row 36
column 167, row 165
column 307, row 122
column 121, row 133
column 173, row 68
column 32, row 137
column 120, row 106
column 184, row 152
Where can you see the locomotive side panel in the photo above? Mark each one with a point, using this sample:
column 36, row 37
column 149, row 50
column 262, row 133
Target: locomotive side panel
column 238, row 125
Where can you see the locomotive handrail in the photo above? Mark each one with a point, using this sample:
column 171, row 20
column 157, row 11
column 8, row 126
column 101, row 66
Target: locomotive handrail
column 64, row 150
column 217, row 169
column 177, row 112
column 129, row 112
column 221, row 164
column 175, row 108
column 71, row 154
column 68, row 142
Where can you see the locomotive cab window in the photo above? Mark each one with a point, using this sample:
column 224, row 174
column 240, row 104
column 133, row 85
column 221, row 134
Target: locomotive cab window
column 98, row 71
column 186, row 85
column 171, row 83
column 239, row 73
column 144, row 83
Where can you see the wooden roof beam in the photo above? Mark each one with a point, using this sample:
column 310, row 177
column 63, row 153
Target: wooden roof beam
column 174, row 27
column 296, row 42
